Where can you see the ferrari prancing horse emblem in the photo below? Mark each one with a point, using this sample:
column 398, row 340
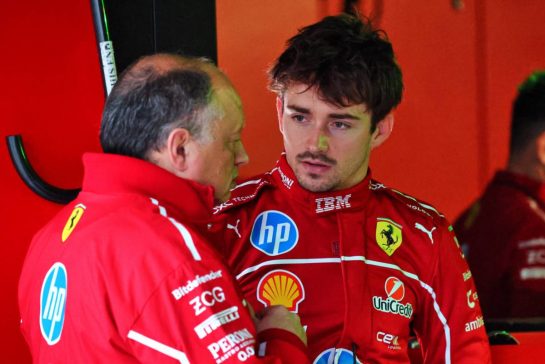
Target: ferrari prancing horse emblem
column 388, row 234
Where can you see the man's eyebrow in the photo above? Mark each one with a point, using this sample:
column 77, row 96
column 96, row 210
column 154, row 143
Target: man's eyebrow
column 299, row 109
column 302, row 110
column 343, row 116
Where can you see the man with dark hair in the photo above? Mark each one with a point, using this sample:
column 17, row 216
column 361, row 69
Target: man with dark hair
column 363, row 264
column 126, row 273
column 503, row 232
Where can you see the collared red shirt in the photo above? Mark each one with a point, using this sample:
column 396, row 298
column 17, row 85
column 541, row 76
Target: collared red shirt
column 126, row 274
column 503, row 233
column 362, row 266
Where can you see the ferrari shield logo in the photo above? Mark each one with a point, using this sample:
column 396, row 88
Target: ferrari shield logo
column 72, row 221
column 388, row 235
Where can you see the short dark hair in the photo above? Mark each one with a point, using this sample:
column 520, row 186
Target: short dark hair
column 146, row 104
column 528, row 116
column 347, row 60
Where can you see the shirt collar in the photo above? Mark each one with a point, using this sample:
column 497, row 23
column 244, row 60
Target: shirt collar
column 322, row 203
column 531, row 187
column 112, row 173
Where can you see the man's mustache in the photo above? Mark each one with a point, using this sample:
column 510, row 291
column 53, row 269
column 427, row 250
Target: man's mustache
column 316, row 156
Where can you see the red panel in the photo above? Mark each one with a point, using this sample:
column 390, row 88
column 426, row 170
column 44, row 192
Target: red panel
column 52, row 95
column 435, row 131
column 515, row 48
column 531, row 349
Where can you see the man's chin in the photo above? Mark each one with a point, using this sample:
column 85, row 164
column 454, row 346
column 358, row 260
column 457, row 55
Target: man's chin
column 314, row 183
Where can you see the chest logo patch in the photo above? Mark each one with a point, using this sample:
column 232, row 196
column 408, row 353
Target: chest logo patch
column 274, row 233
column 336, row 356
column 325, row 204
column 395, row 289
column 73, row 220
column 53, row 303
column 395, row 292
column 388, row 234
column 280, row 287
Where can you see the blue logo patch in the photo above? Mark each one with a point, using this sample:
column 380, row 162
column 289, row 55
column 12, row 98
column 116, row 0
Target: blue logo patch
column 335, row 356
column 53, row 303
column 274, row 233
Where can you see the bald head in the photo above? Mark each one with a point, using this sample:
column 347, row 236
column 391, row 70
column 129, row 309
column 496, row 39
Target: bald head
column 161, row 64
column 155, row 95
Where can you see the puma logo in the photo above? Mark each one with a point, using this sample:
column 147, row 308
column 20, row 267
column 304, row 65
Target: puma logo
column 426, row 231
column 235, row 228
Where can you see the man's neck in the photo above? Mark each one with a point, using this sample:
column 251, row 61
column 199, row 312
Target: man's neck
column 530, row 169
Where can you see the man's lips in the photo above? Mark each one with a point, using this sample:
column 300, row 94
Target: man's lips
column 315, row 163
column 315, row 167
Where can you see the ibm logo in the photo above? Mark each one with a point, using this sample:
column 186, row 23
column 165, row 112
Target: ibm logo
column 332, row 203
column 53, row 303
column 274, row 233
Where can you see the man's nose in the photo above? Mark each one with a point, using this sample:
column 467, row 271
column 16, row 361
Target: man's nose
column 241, row 157
column 318, row 141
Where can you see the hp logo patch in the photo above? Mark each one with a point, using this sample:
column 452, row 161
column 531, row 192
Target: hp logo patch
column 335, row 356
column 53, row 303
column 274, row 233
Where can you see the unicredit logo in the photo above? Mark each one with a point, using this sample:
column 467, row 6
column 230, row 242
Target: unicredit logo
column 395, row 290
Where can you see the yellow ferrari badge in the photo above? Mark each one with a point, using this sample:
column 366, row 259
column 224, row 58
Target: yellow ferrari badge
column 388, row 234
column 73, row 220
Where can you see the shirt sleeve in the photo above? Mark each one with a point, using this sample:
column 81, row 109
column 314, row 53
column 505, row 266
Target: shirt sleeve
column 197, row 316
column 451, row 327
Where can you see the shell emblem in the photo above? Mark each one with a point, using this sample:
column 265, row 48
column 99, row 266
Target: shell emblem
column 280, row 287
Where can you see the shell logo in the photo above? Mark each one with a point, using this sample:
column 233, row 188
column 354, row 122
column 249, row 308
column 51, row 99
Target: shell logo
column 280, row 287
column 395, row 289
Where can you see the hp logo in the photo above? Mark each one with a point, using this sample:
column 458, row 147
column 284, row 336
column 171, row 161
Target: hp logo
column 53, row 303
column 336, row 356
column 274, row 233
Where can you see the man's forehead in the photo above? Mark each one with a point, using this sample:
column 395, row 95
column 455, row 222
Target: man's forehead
column 291, row 99
column 161, row 63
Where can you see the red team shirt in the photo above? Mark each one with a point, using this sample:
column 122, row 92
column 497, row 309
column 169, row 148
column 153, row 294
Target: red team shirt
column 362, row 267
column 124, row 274
column 504, row 232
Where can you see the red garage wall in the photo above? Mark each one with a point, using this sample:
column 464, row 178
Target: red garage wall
column 52, row 95
column 461, row 69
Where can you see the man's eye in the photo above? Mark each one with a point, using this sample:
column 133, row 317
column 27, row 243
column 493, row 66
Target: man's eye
column 340, row 125
column 298, row 118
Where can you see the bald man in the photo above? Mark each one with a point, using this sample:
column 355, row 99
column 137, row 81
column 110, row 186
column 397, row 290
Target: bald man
column 126, row 273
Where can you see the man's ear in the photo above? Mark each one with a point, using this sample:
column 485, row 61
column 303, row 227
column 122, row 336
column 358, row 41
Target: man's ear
column 279, row 112
column 540, row 148
column 382, row 130
column 177, row 149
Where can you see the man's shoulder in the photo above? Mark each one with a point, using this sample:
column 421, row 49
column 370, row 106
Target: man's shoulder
column 504, row 210
column 138, row 224
column 245, row 192
column 403, row 202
